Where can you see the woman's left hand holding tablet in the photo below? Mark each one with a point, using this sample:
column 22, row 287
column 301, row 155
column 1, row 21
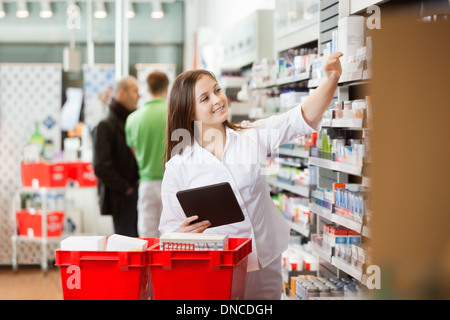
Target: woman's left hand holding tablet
column 197, row 227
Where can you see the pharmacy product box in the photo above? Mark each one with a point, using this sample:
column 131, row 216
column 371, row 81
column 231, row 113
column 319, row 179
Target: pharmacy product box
column 199, row 274
column 338, row 235
column 104, row 275
column 350, row 36
column 193, row 241
column 29, row 223
column 359, row 257
column 42, row 174
column 82, row 172
column 84, row 243
column 353, row 237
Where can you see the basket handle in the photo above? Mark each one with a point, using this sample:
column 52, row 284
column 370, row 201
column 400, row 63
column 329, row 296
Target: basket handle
column 167, row 257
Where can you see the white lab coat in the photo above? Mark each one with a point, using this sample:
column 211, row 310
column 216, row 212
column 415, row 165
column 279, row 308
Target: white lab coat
column 243, row 166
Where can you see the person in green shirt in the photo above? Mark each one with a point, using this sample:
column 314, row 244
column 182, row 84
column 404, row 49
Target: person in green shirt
column 145, row 131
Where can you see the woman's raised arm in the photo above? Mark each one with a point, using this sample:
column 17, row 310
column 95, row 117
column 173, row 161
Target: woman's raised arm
column 315, row 105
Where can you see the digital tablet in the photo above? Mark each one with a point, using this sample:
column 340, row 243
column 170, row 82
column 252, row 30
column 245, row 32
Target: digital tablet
column 216, row 203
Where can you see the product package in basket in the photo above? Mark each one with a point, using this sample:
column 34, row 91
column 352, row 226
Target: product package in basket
column 194, row 241
column 118, row 242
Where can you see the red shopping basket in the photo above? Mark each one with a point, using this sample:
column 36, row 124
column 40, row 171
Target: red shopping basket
column 200, row 275
column 104, row 275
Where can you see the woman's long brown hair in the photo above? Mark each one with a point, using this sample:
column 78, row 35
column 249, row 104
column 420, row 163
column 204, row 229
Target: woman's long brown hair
column 181, row 109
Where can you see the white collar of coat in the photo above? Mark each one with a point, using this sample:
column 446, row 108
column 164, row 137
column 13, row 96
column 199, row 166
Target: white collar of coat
column 196, row 146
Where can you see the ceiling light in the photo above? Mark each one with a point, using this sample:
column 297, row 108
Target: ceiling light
column 130, row 11
column 157, row 11
column 2, row 10
column 46, row 11
column 100, row 10
column 22, row 10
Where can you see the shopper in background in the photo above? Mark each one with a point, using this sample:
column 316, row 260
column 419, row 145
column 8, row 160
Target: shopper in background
column 212, row 150
column 114, row 162
column 145, row 131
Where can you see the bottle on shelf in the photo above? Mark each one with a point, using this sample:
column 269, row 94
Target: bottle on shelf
column 37, row 140
column 37, row 137
column 49, row 150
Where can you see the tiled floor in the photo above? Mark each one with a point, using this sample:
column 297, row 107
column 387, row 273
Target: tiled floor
column 30, row 283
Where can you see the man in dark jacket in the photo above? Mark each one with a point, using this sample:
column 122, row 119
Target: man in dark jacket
column 114, row 162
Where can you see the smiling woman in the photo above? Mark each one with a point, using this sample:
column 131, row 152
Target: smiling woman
column 190, row 108
column 197, row 104
column 211, row 103
column 211, row 111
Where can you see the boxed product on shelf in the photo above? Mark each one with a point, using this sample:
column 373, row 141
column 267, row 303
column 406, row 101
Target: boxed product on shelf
column 350, row 36
column 293, row 207
column 322, row 197
column 310, row 262
column 360, row 256
column 317, row 71
column 29, row 223
column 317, row 239
column 349, row 109
column 311, row 139
column 299, row 259
column 326, row 235
column 340, row 145
column 302, row 216
column 261, row 72
column 292, row 260
column 343, row 251
column 293, row 176
column 349, row 200
column 334, row 234
column 272, row 102
column 193, row 241
column 302, row 63
column 351, row 154
column 290, row 98
column 338, row 235
column 353, row 237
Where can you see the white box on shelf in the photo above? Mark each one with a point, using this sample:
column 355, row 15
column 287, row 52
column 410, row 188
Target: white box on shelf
column 351, row 36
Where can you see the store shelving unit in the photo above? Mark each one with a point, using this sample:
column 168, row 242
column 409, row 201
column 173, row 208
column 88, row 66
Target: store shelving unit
column 352, row 85
column 351, row 82
column 336, row 166
column 43, row 240
column 300, row 190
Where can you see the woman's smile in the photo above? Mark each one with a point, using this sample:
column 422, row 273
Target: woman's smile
column 218, row 110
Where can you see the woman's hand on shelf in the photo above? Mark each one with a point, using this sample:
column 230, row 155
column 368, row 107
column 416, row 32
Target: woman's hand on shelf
column 333, row 68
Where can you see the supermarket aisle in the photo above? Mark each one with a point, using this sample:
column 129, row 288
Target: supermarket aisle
column 30, row 283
